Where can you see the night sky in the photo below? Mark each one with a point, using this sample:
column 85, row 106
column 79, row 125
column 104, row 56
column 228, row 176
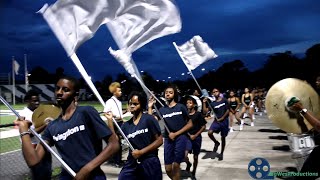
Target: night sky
column 248, row 30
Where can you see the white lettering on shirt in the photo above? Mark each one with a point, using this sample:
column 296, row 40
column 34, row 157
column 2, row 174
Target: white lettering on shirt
column 172, row 114
column 216, row 107
column 137, row 132
column 69, row 132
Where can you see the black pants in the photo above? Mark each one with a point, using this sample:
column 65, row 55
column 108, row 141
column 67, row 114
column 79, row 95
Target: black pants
column 312, row 164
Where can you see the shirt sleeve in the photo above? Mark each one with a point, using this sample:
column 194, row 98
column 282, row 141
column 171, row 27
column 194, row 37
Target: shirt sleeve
column 46, row 135
column 98, row 125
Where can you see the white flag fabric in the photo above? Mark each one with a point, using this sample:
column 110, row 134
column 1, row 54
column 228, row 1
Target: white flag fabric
column 195, row 52
column 142, row 21
column 126, row 61
column 138, row 23
column 16, row 67
column 75, row 21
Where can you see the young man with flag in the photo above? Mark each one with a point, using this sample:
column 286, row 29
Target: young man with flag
column 77, row 134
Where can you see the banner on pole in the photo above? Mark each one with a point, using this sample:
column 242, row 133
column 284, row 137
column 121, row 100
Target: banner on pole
column 195, row 52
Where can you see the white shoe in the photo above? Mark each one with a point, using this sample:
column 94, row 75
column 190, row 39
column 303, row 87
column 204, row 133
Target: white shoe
column 253, row 117
column 241, row 127
column 260, row 114
column 252, row 124
column 242, row 121
column 231, row 129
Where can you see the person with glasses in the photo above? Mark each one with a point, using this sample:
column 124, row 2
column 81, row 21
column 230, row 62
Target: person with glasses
column 143, row 132
column 221, row 122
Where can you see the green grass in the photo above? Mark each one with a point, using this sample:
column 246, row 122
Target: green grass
column 96, row 105
column 7, row 119
column 10, row 144
column 17, row 106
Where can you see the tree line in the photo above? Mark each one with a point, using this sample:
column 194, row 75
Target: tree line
column 230, row 75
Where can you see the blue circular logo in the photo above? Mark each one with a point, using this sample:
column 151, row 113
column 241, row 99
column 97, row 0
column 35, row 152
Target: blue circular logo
column 258, row 168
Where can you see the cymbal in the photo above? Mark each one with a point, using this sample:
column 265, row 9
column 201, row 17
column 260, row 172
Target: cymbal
column 277, row 111
column 45, row 112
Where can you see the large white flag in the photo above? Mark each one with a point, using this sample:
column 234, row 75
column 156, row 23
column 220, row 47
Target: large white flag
column 75, row 21
column 142, row 21
column 195, row 52
column 16, row 67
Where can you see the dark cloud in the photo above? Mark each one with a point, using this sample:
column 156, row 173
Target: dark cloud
column 238, row 29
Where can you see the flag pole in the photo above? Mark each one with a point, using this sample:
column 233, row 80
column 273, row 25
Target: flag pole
column 86, row 77
column 175, row 45
column 26, row 73
column 13, row 82
column 155, row 107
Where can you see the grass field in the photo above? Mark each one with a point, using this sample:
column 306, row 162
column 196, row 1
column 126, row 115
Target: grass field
column 96, row 105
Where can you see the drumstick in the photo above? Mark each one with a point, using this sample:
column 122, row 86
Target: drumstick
column 65, row 165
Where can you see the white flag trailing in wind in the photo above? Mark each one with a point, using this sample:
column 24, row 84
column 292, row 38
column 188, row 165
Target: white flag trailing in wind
column 15, row 66
column 195, row 52
column 142, row 21
column 75, row 21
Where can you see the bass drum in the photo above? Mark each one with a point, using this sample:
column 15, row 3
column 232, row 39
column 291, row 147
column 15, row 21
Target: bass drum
column 199, row 103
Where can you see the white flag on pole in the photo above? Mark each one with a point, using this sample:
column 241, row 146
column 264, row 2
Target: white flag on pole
column 143, row 21
column 75, row 21
column 16, row 67
column 195, row 52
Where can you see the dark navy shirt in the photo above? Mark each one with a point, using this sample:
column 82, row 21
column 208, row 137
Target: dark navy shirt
column 198, row 121
column 175, row 117
column 220, row 108
column 79, row 139
column 142, row 134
